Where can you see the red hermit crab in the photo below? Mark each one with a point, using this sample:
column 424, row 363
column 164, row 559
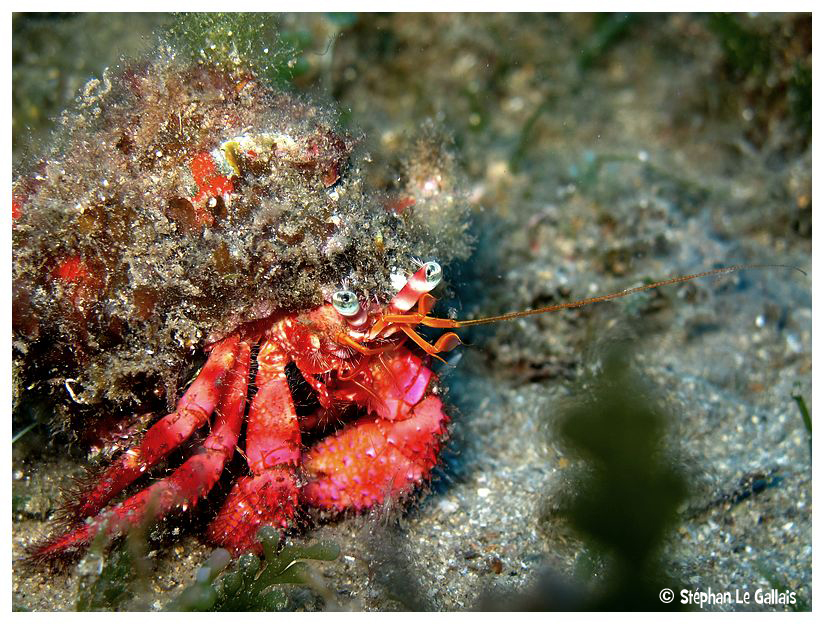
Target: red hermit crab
column 186, row 208
column 348, row 353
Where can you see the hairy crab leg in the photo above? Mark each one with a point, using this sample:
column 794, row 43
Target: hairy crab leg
column 321, row 391
column 385, row 457
column 183, row 488
column 270, row 495
column 192, row 412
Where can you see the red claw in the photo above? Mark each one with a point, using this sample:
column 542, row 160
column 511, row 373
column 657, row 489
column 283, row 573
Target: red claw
column 385, row 457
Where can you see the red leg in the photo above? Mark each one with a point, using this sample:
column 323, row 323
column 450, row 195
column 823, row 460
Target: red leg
column 321, row 391
column 270, row 495
column 378, row 458
column 193, row 411
column 183, row 488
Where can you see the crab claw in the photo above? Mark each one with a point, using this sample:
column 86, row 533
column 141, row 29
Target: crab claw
column 376, row 459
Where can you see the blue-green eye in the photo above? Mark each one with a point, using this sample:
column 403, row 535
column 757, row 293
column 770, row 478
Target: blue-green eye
column 433, row 273
column 346, row 303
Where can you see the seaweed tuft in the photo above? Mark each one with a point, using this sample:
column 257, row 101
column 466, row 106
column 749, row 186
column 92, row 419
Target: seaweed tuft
column 254, row 583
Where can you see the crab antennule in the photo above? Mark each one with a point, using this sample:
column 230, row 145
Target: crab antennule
column 193, row 411
column 431, row 321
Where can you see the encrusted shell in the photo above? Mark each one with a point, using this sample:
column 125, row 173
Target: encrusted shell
column 175, row 204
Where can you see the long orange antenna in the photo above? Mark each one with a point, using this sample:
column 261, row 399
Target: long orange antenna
column 430, row 321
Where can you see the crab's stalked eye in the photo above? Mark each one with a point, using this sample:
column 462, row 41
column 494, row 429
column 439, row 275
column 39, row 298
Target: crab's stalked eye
column 432, row 273
column 346, row 303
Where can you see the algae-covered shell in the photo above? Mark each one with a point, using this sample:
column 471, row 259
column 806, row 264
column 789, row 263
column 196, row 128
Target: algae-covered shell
column 179, row 200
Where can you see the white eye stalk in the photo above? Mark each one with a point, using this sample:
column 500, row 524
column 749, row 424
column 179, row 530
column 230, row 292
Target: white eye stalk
column 432, row 274
column 346, row 303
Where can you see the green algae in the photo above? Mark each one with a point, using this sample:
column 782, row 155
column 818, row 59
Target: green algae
column 229, row 40
column 253, row 583
column 275, row 48
column 626, row 503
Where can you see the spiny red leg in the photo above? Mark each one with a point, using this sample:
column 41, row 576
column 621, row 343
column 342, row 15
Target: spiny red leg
column 270, row 495
column 193, row 411
column 374, row 458
column 190, row 482
column 321, row 391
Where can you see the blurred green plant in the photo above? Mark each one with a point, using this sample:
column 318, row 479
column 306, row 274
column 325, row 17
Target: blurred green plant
column 608, row 30
column 623, row 504
column 111, row 587
column 805, row 412
column 253, row 584
column 801, row 96
column 626, row 503
column 746, row 51
column 770, row 70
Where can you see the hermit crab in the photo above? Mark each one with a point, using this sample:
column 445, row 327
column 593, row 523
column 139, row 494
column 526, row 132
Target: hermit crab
column 349, row 354
column 189, row 209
